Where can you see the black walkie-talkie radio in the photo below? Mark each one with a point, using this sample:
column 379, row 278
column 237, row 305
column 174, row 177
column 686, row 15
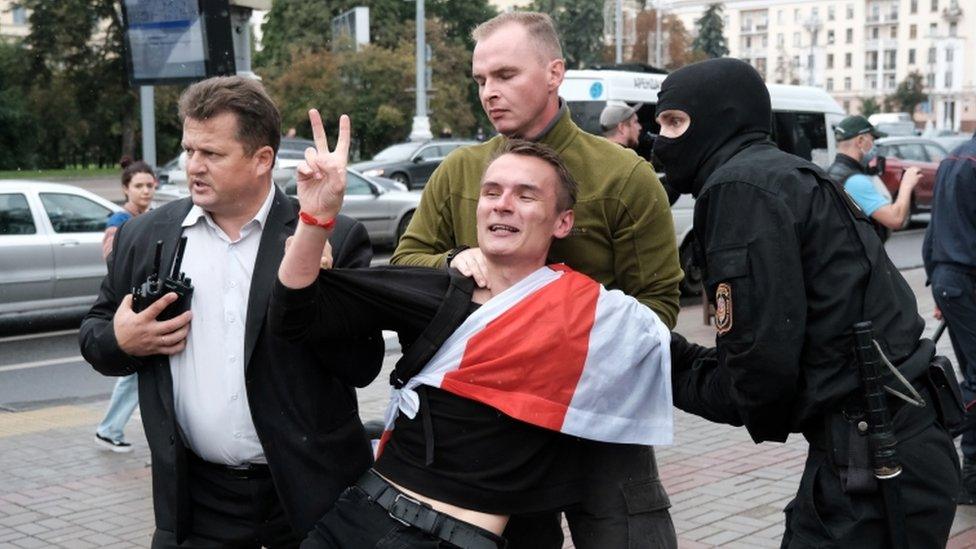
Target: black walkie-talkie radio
column 154, row 288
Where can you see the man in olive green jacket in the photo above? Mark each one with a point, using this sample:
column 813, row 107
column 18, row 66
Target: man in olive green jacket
column 623, row 238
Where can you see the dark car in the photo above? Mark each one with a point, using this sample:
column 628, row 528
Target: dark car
column 904, row 152
column 410, row 163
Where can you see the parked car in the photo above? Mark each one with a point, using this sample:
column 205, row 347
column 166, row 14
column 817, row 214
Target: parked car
column 384, row 212
column 50, row 247
column 951, row 142
column 410, row 163
column 904, row 152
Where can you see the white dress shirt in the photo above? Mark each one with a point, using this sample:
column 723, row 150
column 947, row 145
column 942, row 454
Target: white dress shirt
column 208, row 375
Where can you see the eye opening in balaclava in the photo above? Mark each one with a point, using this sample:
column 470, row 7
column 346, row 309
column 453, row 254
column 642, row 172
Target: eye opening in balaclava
column 724, row 98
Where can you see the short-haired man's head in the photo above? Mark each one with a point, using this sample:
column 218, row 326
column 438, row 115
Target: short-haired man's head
column 567, row 187
column 538, row 26
column 258, row 119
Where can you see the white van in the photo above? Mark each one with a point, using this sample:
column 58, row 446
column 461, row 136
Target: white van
column 803, row 121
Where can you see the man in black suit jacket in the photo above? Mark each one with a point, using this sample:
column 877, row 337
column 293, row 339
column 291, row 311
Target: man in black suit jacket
column 247, row 472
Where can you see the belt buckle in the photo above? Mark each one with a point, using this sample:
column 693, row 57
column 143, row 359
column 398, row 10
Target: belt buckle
column 394, row 505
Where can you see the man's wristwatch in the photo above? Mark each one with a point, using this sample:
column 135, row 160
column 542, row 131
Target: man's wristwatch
column 453, row 253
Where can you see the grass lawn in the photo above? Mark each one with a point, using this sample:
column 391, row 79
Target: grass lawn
column 60, row 175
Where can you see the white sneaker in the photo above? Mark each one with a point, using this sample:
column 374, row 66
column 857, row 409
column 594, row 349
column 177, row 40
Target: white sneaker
column 113, row 445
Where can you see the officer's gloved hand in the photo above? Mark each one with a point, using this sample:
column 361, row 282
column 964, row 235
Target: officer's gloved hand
column 684, row 354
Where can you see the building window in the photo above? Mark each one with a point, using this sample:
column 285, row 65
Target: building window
column 913, row 6
column 796, row 39
column 911, row 56
column 761, row 66
column 780, row 40
column 849, row 36
column 948, row 79
column 796, row 16
column 796, row 61
column 933, row 28
column 874, row 33
column 931, row 56
column 912, row 31
column 889, row 81
column 894, row 32
column 830, row 84
column 765, row 40
column 889, row 59
column 930, row 80
column 871, row 61
column 847, row 106
column 875, row 12
column 949, row 55
column 19, row 15
column 935, row 6
column 871, row 82
column 830, row 13
column 830, row 37
column 830, row 60
column 847, row 83
column 850, row 11
column 952, row 28
column 748, row 42
column 847, row 60
column 779, row 17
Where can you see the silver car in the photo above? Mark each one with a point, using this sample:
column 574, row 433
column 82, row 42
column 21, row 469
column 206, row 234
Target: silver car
column 50, row 247
column 382, row 205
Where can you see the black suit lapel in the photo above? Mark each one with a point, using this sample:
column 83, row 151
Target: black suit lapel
column 277, row 228
column 168, row 229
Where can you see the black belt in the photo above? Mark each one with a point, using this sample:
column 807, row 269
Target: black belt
column 248, row 471
column 410, row 512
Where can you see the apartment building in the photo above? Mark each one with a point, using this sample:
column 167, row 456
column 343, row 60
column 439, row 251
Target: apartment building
column 13, row 21
column 857, row 49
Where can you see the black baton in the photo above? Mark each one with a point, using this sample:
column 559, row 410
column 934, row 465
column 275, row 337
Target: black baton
column 938, row 331
column 881, row 439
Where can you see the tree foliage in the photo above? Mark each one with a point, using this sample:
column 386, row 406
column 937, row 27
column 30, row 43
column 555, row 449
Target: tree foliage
column 82, row 104
column 909, row 93
column 711, row 39
column 679, row 50
column 580, row 27
column 16, row 120
column 869, row 106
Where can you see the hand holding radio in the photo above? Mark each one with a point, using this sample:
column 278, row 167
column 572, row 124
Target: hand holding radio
column 155, row 318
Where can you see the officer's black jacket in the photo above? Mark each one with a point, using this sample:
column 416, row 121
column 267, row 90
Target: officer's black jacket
column 799, row 265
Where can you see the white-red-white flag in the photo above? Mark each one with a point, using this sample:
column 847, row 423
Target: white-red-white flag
column 559, row 351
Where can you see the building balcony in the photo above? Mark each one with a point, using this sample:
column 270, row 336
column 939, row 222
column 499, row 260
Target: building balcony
column 889, row 19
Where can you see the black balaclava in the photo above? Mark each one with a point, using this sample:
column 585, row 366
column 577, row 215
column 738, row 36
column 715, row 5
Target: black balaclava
column 725, row 98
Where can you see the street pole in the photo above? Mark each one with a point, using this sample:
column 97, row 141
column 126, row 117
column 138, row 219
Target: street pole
column 657, row 34
column 421, row 123
column 619, row 28
column 147, row 110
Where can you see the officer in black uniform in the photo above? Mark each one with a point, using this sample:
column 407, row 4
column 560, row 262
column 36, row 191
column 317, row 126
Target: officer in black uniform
column 791, row 265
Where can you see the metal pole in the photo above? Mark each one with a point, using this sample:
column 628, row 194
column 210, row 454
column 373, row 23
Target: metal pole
column 421, row 123
column 147, row 110
column 657, row 34
column 619, row 27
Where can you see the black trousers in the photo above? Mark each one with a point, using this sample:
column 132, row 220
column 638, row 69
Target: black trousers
column 623, row 505
column 822, row 515
column 231, row 511
column 355, row 522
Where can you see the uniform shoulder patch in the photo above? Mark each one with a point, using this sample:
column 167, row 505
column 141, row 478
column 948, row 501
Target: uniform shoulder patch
column 723, row 308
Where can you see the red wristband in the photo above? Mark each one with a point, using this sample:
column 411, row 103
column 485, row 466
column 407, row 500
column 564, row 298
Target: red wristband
column 309, row 219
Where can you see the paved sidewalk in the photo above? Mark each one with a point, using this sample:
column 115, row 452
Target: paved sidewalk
column 57, row 489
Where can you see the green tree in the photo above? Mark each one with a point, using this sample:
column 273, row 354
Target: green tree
column 869, row 106
column 80, row 95
column 909, row 93
column 711, row 39
column 16, row 121
column 580, row 26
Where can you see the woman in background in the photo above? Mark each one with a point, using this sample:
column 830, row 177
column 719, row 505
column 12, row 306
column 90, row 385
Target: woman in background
column 139, row 187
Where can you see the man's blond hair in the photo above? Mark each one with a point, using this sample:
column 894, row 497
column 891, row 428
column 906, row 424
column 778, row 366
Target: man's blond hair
column 538, row 26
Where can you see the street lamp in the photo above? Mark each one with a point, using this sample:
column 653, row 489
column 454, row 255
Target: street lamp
column 421, row 123
column 812, row 25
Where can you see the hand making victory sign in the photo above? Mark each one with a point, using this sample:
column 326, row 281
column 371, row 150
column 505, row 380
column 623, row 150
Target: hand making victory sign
column 322, row 177
column 321, row 186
